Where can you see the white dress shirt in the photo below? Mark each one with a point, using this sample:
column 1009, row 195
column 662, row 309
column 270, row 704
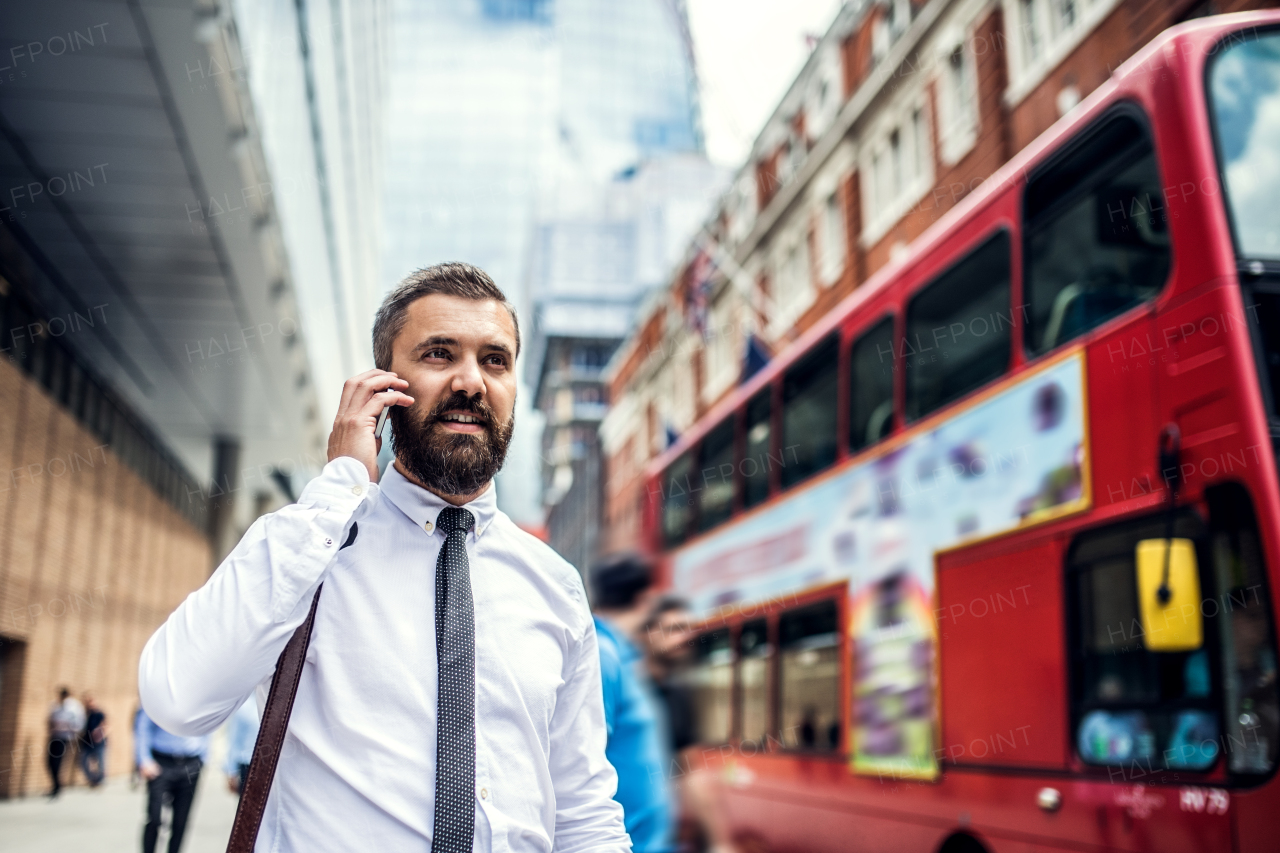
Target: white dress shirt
column 357, row 769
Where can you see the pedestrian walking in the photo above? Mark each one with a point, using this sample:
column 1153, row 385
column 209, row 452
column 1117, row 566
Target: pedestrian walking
column 93, row 742
column 668, row 646
column 450, row 695
column 622, row 597
column 171, row 766
column 66, row 719
column 668, row 640
column 242, row 732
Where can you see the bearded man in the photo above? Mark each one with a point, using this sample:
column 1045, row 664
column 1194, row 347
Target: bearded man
column 450, row 699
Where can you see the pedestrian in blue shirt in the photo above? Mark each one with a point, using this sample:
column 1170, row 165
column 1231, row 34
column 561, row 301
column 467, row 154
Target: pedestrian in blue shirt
column 242, row 734
column 171, row 765
column 638, row 744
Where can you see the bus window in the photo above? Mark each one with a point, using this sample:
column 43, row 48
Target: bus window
column 958, row 329
column 755, row 460
column 754, row 655
column 678, row 483
column 871, row 394
column 1097, row 235
column 1247, row 632
column 1131, row 705
column 809, row 413
column 1244, row 86
column 809, row 643
column 710, row 678
column 715, row 476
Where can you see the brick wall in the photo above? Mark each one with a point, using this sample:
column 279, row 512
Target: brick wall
column 92, row 560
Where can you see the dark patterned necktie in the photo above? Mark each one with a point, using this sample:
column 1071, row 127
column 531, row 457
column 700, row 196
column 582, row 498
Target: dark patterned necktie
column 455, row 815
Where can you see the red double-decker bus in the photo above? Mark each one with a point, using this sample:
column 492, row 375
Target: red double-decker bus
column 988, row 559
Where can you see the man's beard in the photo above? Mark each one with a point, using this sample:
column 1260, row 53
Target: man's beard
column 451, row 463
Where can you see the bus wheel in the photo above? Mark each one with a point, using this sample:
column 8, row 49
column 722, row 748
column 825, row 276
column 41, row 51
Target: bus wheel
column 962, row 843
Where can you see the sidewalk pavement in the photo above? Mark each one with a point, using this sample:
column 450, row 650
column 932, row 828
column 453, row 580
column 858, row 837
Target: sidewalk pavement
column 110, row 819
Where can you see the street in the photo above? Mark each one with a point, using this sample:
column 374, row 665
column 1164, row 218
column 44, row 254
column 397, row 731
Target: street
column 110, row 819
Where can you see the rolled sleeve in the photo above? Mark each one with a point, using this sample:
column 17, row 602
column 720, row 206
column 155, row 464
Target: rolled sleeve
column 225, row 638
column 307, row 540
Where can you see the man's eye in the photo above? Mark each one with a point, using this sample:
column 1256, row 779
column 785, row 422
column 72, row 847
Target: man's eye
column 496, row 359
column 436, row 353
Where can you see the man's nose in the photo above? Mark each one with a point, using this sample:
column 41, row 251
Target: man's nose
column 468, row 378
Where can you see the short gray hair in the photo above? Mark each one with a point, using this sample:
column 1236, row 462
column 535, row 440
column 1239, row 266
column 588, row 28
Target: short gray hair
column 451, row 279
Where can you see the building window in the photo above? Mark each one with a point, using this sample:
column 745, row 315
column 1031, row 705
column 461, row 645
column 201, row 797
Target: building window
column 1030, row 28
column 742, row 209
column 793, row 287
column 832, row 239
column 1049, row 30
column 722, row 348
column 898, row 161
column 957, row 104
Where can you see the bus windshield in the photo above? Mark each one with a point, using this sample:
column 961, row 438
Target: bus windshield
column 1244, row 90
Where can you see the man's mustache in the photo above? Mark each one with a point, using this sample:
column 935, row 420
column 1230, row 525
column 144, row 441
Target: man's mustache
column 461, row 402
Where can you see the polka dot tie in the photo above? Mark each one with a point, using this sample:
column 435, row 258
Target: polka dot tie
column 455, row 813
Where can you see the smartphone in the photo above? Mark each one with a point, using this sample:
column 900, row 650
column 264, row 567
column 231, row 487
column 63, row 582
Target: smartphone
column 382, row 421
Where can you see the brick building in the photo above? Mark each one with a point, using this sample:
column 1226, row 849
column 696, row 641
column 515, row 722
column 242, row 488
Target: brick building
column 902, row 109
column 96, row 549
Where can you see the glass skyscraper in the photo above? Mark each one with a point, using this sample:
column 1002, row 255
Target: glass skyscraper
column 515, row 130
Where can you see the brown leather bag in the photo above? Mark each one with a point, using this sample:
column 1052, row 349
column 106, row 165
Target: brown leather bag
column 272, row 729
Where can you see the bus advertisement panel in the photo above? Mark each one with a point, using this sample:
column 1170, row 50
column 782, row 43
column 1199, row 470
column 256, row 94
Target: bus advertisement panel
column 1016, row 456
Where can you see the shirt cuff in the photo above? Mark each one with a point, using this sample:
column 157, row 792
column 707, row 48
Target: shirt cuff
column 342, row 486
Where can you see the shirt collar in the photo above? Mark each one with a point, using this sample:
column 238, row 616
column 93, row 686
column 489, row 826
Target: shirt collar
column 423, row 506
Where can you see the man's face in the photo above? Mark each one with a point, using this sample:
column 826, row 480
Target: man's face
column 458, row 356
column 671, row 637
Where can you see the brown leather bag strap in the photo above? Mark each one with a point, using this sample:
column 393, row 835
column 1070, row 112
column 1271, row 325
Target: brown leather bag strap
column 272, row 729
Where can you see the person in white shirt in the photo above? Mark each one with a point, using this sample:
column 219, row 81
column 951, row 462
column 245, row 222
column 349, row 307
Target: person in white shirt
column 66, row 719
column 451, row 697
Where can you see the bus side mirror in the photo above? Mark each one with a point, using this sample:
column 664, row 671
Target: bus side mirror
column 1169, row 595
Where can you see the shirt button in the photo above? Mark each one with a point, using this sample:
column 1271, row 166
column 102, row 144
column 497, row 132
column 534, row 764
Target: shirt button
column 428, row 526
column 356, row 490
column 328, row 543
column 484, row 793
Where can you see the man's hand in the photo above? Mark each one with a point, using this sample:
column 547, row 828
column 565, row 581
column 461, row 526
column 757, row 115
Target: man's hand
column 149, row 770
column 363, row 398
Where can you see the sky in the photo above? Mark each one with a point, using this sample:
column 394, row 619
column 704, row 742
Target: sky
column 748, row 52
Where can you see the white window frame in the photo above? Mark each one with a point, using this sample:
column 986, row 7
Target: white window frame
column 722, row 346
column 892, row 181
column 832, row 250
column 792, row 281
column 682, row 402
column 957, row 98
column 1040, row 22
column 825, row 96
column 742, row 211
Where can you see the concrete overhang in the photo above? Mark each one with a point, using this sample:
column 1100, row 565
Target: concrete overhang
column 133, row 185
